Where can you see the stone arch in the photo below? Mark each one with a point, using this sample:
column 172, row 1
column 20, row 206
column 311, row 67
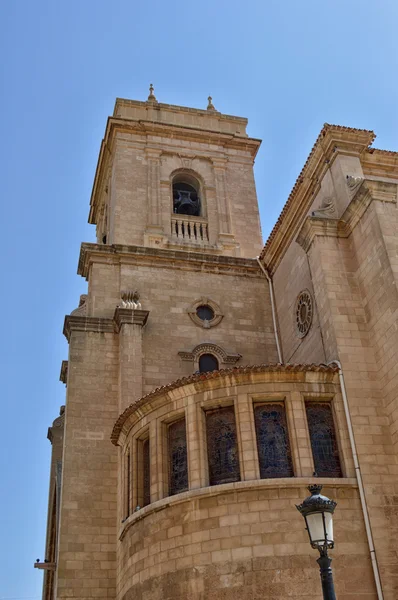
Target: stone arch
column 225, row 359
column 191, row 178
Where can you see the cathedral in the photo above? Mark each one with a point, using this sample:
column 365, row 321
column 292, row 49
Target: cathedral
column 211, row 379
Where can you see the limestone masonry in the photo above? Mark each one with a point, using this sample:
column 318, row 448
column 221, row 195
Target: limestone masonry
column 207, row 388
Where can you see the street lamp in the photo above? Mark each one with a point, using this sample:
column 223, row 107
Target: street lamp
column 317, row 511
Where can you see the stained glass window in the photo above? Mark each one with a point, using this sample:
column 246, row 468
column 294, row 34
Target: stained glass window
column 146, row 478
column 178, row 460
column 207, row 363
column 273, row 440
column 222, row 447
column 323, row 439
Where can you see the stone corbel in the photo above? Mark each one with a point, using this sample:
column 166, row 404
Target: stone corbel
column 129, row 316
column 63, row 376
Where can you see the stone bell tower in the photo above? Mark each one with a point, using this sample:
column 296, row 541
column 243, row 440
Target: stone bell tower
column 176, row 178
column 173, row 289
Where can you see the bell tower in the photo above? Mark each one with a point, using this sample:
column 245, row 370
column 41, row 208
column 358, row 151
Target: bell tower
column 177, row 178
column 173, row 289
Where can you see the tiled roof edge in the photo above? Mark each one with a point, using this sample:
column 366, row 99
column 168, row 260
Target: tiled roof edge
column 265, row 368
column 327, row 127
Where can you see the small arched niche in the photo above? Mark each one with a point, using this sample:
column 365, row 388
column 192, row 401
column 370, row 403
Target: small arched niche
column 187, row 195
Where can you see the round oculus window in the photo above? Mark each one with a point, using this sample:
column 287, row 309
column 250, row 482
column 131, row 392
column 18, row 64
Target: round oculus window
column 205, row 312
column 303, row 313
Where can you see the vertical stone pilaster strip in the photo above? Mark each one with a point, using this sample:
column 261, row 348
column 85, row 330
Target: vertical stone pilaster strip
column 153, row 188
column 221, row 192
column 248, row 456
column 129, row 324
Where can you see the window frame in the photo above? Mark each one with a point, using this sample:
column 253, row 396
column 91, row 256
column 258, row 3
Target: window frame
column 272, row 401
column 330, row 401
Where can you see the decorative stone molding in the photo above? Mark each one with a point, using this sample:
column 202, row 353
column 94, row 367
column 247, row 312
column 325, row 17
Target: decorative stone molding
column 382, row 191
column 354, row 183
column 129, row 316
column 130, row 300
column 186, row 160
column 206, row 324
column 344, row 483
column 87, row 324
column 58, row 423
column 176, row 259
column 217, row 379
column 81, row 310
column 46, row 566
column 304, row 311
column 63, row 376
column 208, row 348
column 318, row 226
column 367, row 192
column 326, row 210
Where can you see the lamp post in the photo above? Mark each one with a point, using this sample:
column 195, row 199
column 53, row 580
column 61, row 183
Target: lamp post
column 317, row 511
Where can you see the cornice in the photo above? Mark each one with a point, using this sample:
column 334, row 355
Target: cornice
column 87, row 324
column 128, row 316
column 227, row 377
column 63, row 376
column 178, row 109
column 161, row 257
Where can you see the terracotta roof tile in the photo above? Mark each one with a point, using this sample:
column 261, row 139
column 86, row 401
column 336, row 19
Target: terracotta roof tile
column 265, row 368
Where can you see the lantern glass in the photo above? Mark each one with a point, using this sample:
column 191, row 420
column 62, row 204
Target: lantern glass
column 320, row 528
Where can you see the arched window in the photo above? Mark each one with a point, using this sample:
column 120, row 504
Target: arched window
column 186, row 195
column 207, row 363
column 323, row 439
column 222, row 446
column 178, row 457
column 272, row 440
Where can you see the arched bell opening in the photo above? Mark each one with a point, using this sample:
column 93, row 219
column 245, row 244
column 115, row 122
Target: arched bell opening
column 186, row 195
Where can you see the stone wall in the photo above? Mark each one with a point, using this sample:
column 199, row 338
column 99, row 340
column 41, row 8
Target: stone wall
column 86, row 563
column 243, row 539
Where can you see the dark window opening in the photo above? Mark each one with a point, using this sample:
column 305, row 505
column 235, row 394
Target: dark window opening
column 146, row 473
column 205, row 312
column 128, row 484
column 273, row 441
column 186, row 200
column 323, row 439
column 207, row 363
column 222, row 446
column 178, row 457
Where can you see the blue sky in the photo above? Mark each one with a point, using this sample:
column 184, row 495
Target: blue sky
column 289, row 66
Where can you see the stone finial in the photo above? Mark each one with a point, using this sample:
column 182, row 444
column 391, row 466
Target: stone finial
column 130, row 300
column 151, row 97
column 210, row 105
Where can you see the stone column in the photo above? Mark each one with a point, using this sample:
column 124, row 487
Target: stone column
column 129, row 323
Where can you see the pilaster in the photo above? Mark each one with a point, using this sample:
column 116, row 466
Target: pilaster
column 129, row 324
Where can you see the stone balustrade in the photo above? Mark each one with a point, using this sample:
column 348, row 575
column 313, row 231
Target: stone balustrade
column 187, row 228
